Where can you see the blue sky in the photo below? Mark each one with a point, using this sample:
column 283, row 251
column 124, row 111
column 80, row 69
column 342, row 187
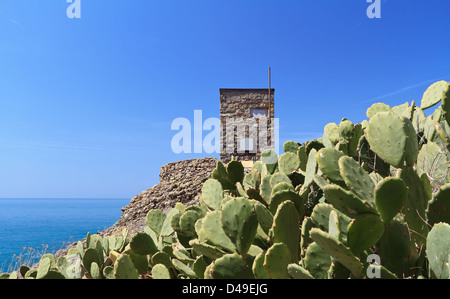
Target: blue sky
column 86, row 104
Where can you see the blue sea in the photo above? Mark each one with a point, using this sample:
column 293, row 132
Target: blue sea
column 46, row 225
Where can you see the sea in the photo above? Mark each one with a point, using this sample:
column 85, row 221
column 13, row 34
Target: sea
column 30, row 227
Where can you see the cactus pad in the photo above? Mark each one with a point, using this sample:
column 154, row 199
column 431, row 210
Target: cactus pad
column 288, row 162
column 143, row 244
column 387, row 137
column 390, row 196
column 327, row 159
column 276, row 260
column 239, row 223
column 212, row 193
column 124, row 268
column 438, row 250
column 231, row 266
column 356, row 178
column 439, row 207
column 434, row 94
column 338, row 251
column 363, row 232
column 286, row 228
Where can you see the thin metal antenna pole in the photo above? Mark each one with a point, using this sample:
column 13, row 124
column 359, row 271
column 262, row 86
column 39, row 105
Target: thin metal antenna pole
column 270, row 100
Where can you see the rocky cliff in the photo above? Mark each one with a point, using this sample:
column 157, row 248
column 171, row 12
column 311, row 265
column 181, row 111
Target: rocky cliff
column 178, row 182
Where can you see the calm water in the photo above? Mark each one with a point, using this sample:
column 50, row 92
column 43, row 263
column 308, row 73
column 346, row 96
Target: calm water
column 31, row 223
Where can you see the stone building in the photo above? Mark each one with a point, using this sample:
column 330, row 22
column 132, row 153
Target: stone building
column 247, row 124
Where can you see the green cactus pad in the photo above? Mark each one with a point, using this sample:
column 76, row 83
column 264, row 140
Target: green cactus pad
column 91, row 256
column 302, row 157
column 175, row 222
column 443, row 131
column 396, row 249
column 400, row 109
column 239, row 222
column 207, row 250
column 288, row 162
column 143, row 244
column 184, row 269
column 320, row 215
column 327, row 159
column 415, row 205
column 161, row 258
column 446, row 106
column 52, row 259
column 434, row 94
column 331, row 131
column 311, row 167
column 266, row 188
column 279, row 177
column 345, row 201
column 235, row 171
column 160, row 271
column 231, row 266
column 412, row 145
column 23, row 270
column 155, row 220
column 317, row 261
column 108, row 272
column 439, row 207
column 438, row 250
column 276, row 260
column 291, row 146
column 187, row 222
column 265, row 217
column 390, row 196
column 345, row 131
column 338, row 251
column 377, row 107
column 43, row 268
column 363, row 232
column 140, row 262
column 282, row 186
column 286, row 228
column 200, row 266
column 285, row 195
column 334, row 228
column 298, row 272
column 166, row 229
column 357, row 179
column 212, row 193
column 305, row 239
column 270, row 158
column 95, row 271
column 387, row 138
column 124, row 268
column 258, row 267
column 214, row 233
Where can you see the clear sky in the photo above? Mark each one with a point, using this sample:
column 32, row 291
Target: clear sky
column 86, row 104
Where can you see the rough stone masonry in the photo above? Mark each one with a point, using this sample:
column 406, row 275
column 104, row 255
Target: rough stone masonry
column 244, row 113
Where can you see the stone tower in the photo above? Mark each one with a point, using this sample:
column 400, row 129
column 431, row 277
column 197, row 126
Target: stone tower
column 246, row 124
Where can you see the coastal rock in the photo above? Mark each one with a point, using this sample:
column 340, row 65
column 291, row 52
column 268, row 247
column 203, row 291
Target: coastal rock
column 180, row 181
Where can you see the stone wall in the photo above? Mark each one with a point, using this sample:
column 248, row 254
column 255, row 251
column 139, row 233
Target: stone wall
column 237, row 122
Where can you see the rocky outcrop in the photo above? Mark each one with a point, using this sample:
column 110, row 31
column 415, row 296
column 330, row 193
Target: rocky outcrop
column 180, row 181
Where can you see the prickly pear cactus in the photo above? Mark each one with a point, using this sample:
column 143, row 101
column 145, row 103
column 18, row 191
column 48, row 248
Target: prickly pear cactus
column 365, row 200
